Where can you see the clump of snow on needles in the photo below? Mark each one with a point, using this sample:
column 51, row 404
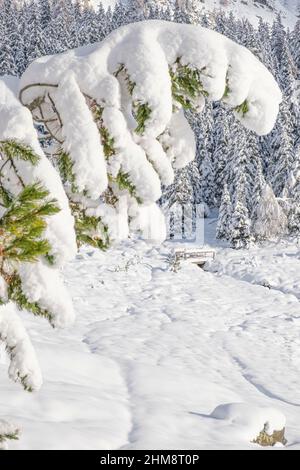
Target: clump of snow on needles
column 144, row 55
column 247, row 421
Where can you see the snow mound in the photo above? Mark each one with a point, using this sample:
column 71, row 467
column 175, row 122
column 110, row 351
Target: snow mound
column 248, row 421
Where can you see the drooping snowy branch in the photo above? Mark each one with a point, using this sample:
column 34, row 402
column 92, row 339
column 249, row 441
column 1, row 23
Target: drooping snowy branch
column 134, row 86
column 24, row 366
column 8, row 432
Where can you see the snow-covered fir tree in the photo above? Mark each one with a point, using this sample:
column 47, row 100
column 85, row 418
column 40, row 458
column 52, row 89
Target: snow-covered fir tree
column 294, row 217
column 270, row 221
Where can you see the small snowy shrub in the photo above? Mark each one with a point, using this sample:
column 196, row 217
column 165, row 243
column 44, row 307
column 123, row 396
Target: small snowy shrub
column 114, row 114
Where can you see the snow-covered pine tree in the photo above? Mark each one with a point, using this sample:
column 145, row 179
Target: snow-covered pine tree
column 89, row 30
column 237, row 165
column 180, row 14
column 193, row 11
column 259, row 184
column 7, row 37
column 224, row 218
column 270, row 220
column 36, row 237
column 239, row 227
column 119, row 16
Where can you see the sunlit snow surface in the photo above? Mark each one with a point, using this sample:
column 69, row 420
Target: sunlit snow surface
column 153, row 352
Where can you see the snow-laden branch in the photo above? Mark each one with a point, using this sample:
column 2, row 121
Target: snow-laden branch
column 8, row 431
column 114, row 112
column 24, row 367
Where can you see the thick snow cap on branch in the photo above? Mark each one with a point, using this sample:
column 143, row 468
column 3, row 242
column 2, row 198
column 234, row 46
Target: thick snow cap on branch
column 16, row 124
column 147, row 50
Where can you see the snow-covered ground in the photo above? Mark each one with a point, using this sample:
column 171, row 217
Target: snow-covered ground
column 153, row 352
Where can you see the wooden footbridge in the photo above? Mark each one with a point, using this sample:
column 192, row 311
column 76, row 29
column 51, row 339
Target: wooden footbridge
column 197, row 256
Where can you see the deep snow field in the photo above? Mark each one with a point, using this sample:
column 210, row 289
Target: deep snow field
column 153, row 352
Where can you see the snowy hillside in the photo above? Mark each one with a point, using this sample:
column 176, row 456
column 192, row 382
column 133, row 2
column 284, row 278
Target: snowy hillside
column 251, row 9
column 163, row 351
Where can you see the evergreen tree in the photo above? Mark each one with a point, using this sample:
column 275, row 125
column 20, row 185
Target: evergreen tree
column 270, row 220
